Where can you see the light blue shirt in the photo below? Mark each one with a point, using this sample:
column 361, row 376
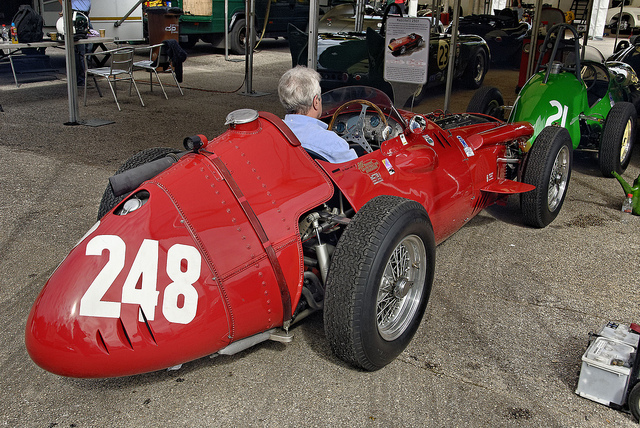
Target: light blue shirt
column 81, row 5
column 314, row 135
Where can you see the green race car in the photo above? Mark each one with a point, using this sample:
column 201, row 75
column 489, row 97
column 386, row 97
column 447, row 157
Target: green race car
column 574, row 102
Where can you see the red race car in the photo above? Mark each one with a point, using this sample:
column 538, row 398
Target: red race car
column 402, row 45
column 228, row 243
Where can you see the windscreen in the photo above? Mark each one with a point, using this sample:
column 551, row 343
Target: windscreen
column 333, row 99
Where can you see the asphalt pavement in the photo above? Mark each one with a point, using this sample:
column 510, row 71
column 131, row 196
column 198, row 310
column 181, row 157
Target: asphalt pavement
column 500, row 343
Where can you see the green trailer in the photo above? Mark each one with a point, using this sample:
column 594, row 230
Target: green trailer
column 205, row 20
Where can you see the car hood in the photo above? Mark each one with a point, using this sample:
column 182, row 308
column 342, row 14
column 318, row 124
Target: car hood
column 186, row 273
column 558, row 102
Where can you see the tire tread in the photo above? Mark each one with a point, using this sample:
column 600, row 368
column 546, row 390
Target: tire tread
column 346, row 283
column 611, row 140
column 534, row 204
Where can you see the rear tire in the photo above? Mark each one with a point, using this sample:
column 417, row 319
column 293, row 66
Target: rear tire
column 487, row 100
column 548, row 168
column 616, row 142
column 379, row 282
column 109, row 200
column 476, row 70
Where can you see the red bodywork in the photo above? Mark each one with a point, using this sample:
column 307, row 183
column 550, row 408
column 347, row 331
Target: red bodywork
column 215, row 254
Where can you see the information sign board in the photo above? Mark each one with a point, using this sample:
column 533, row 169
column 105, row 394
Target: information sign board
column 407, row 50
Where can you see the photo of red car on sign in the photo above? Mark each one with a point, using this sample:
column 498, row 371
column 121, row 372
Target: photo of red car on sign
column 402, row 45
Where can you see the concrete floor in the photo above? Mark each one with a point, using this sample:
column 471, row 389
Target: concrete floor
column 500, row 343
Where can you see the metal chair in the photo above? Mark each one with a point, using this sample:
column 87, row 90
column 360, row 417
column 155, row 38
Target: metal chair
column 119, row 69
column 158, row 57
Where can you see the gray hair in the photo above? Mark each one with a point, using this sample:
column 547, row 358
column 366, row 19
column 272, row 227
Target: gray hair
column 297, row 88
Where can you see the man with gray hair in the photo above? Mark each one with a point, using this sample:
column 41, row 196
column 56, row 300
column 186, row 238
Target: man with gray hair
column 299, row 92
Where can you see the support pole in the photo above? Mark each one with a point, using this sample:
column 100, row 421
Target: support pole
column 226, row 30
column 533, row 45
column 587, row 29
column 312, row 43
column 249, row 43
column 615, row 43
column 452, row 54
column 359, row 21
column 70, row 56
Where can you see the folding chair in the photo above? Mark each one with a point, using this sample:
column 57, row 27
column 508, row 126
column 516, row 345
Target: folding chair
column 158, row 57
column 119, row 69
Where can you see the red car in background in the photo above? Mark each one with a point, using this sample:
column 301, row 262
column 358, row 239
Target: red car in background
column 230, row 242
column 402, row 45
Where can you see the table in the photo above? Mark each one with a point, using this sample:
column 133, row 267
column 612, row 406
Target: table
column 16, row 48
column 11, row 49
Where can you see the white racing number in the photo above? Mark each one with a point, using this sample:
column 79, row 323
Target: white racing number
column 180, row 300
column 560, row 114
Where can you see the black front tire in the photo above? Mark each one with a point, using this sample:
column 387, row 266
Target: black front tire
column 109, row 200
column 379, row 282
column 238, row 37
column 487, row 100
column 616, row 141
column 548, row 167
column 476, row 70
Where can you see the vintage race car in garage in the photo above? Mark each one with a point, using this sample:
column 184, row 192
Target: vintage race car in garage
column 596, row 101
column 503, row 33
column 341, row 18
column 358, row 58
column 230, row 242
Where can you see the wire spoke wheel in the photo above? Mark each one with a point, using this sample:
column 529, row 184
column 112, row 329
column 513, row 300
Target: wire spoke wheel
column 548, row 168
column 399, row 296
column 559, row 178
column 379, row 281
column 625, row 143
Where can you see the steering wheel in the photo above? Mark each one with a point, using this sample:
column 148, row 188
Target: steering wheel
column 355, row 133
column 589, row 68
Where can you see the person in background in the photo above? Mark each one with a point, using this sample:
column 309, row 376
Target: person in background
column 299, row 92
column 83, row 6
column 517, row 5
